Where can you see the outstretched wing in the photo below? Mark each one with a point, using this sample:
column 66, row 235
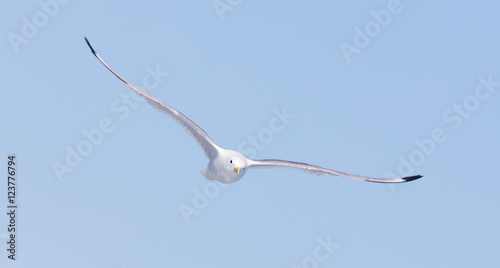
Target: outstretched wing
column 316, row 170
column 206, row 143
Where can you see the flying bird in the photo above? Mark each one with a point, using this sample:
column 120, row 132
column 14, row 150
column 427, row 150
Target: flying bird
column 228, row 166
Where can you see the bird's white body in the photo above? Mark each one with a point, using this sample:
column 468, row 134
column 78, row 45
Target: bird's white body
column 228, row 166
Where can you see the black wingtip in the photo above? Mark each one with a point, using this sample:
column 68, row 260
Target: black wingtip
column 412, row 178
column 88, row 43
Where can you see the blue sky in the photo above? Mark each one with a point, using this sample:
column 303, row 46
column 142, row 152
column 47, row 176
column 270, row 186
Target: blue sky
column 375, row 88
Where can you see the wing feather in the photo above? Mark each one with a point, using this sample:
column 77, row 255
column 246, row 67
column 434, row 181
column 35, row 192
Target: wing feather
column 317, row 170
column 200, row 136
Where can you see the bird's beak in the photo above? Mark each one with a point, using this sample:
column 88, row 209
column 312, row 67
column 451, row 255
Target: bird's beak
column 237, row 170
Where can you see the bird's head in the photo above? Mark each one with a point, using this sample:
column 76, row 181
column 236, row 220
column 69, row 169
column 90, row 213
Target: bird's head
column 234, row 165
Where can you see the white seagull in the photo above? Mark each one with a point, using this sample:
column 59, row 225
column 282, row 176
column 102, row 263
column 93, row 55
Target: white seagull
column 228, row 166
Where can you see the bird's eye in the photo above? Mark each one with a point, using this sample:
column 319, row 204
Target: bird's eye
column 231, row 161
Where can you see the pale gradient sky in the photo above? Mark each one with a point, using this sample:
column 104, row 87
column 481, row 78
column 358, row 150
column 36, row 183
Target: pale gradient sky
column 419, row 94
